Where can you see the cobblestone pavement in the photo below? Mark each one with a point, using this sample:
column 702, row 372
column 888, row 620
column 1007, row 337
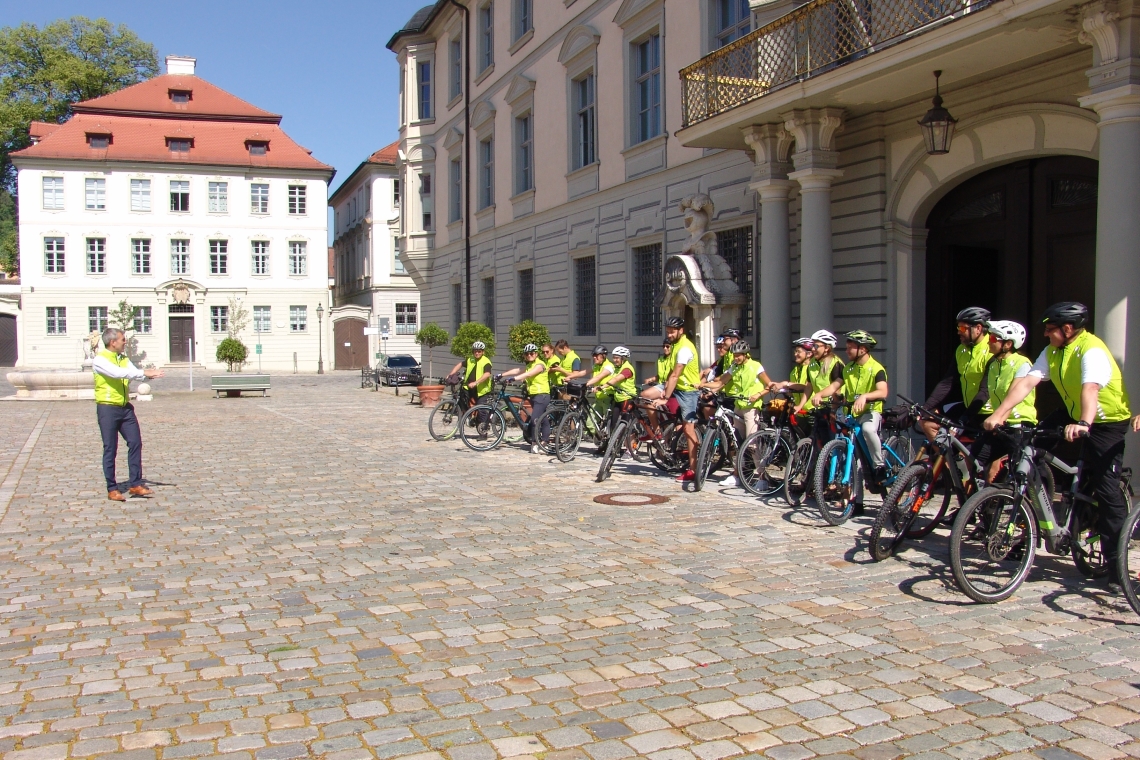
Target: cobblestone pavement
column 317, row 578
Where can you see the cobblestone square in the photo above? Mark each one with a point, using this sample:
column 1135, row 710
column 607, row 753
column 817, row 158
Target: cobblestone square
column 316, row 577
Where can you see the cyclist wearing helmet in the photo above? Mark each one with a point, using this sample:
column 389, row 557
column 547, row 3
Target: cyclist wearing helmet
column 799, row 382
column 682, row 384
column 603, row 368
column 746, row 381
column 1096, row 408
column 723, row 360
column 1007, row 365
column 570, row 364
column 961, row 393
column 476, row 373
column 864, row 389
column 825, row 368
column 538, row 389
column 622, row 383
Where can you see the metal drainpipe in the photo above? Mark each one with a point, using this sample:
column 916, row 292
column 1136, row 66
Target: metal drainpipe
column 466, row 153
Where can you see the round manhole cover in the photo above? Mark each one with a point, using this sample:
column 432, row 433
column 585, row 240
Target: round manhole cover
column 630, row 499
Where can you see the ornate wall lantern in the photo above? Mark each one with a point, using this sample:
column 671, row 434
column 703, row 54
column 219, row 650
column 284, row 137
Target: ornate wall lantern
column 937, row 125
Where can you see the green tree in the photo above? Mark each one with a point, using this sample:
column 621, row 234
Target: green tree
column 527, row 331
column 43, row 72
column 123, row 317
column 468, row 333
column 233, row 352
column 432, row 336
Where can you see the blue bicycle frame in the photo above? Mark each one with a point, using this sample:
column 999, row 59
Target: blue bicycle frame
column 852, row 432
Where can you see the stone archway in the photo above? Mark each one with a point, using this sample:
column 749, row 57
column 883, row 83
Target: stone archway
column 920, row 181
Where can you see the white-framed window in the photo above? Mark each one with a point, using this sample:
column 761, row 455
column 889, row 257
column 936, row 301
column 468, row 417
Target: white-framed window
column 140, row 256
column 218, row 197
column 524, row 153
column 219, row 318
column 425, row 200
column 489, row 302
column 486, row 18
column 140, row 195
column 219, row 257
column 397, row 265
column 585, row 121
column 180, row 195
column 54, row 256
column 407, row 318
column 647, row 88
column 143, row 320
column 96, row 319
column 423, row 88
column 179, row 257
column 259, row 198
column 262, row 322
column 298, row 318
column 486, row 172
column 524, row 17
column 396, row 193
column 57, row 320
column 53, row 193
column 95, row 194
column 297, row 200
column 585, row 296
column 455, row 53
column 455, row 201
column 298, row 258
column 731, row 20
column 259, row 250
column 96, row 255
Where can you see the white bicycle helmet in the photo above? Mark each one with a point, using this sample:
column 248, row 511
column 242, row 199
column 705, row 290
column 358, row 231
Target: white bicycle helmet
column 478, row 346
column 823, row 336
column 530, row 348
column 621, row 351
column 1007, row 330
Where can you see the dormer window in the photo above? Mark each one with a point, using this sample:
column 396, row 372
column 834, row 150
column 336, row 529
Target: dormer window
column 257, row 147
column 180, row 97
column 179, row 144
column 98, row 141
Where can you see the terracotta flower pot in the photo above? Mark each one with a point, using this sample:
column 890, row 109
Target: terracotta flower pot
column 430, row 394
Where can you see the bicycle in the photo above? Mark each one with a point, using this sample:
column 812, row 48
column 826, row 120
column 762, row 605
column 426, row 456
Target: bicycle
column 764, row 458
column 484, row 426
column 1126, row 566
column 799, row 474
column 839, row 472
column 995, row 535
column 443, row 422
column 581, row 421
column 631, row 434
column 555, row 412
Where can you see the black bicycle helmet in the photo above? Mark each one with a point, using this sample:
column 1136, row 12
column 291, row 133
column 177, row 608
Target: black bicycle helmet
column 1067, row 313
column 741, row 347
column 674, row 322
column 973, row 315
column 731, row 332
column 600, row 350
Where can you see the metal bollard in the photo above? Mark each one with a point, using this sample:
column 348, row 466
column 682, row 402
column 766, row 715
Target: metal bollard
column 294, row 362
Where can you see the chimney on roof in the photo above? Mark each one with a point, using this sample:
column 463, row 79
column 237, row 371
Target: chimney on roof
column 179, row 64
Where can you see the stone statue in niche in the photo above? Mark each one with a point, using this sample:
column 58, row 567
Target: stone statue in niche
column 702, row 245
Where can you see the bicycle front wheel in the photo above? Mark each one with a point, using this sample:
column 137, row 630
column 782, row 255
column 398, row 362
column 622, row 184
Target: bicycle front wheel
column 1128, row 559
column 797, row 476
column 1088, row 548
column 613, row 450
column 898, row 511
column 444, row 420
column 551, row 418
column 709, row 455
column 482, row 427
column 835, row 495
column 761, row 461
column 992, row 545
column 568, row 437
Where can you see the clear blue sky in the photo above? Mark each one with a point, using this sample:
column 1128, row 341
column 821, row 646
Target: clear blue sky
column 322, row 65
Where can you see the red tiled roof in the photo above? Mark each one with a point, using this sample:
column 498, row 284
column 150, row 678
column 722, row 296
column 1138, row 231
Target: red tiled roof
column 386, row 155
column 143, row 139
column 141, row 118
column 152, row 97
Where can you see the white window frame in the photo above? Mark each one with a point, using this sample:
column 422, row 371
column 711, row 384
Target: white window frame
column 140, row 195
column 403, row 326
column 97, row 318
column 219, row 319
column 140, row 256
column 646, row 81
column 485, row 17
column 96, row 255
column 455, row 66
column 522, row 19
column 219, row 258
column 298, row 258
column 298, row 319
column 55, row 255
column 259, row 258
column 94, row 194
column 218, row 197
column 259, row 198
column 179, row 247
column 524, row 152
column 720, row 36
column 144, row 320
column 52, row 193
column 455, row 196
column 424, row 92
column 584, row 126
column 298, row 200
column 262, row 319
column 56, row 320
column 180, row 188
column 487, row 172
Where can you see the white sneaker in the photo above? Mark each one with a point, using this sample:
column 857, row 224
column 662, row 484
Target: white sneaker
column 534, row 449
column 730, row 481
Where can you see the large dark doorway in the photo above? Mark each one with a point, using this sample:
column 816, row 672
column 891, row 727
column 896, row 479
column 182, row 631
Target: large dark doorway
column 181, row 333
column 8, row 350
column 351, row 344
column 1014, row 239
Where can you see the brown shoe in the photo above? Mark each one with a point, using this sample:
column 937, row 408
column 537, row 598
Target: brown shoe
column 116, row 496
column 140, row 491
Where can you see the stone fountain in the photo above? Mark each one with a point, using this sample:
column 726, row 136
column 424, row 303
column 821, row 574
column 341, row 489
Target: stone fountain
column 57, row 384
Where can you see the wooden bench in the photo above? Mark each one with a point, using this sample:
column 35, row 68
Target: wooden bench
column 233, row 385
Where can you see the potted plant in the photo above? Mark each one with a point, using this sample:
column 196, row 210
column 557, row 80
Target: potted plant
column 432, row 336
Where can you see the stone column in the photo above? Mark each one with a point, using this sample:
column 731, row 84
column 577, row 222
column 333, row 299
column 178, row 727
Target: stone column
column 770, row 181
column 815, row 161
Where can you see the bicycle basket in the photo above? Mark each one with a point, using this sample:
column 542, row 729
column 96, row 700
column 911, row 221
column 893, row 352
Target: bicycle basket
column 898, row 417
column 576, row 390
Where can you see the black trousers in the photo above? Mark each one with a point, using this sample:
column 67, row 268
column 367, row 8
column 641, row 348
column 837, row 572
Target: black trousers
column 1103, row 455
column 538, row 404
column 113, row 422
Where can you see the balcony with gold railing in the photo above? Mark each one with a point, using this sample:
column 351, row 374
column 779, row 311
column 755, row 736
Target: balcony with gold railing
column 814, row 38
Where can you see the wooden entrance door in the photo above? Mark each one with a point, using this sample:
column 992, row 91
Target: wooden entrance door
column 181, row 333
column 1014, row 240
column 351, row 344
column 7, row 340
